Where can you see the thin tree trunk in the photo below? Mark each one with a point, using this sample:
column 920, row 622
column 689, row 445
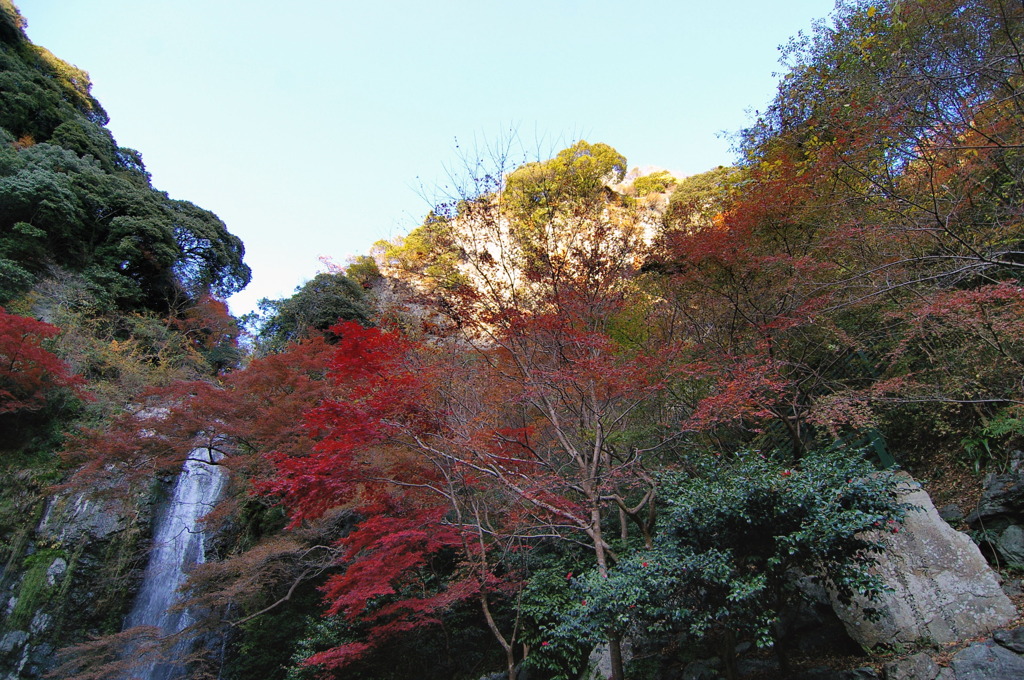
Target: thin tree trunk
column 614, row 641
column 729, row 654
column 782, row 657
column 510, row 657
column 780, row 637
column 615, row 652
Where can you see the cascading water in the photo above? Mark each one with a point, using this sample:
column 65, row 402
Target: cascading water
column 178, row 544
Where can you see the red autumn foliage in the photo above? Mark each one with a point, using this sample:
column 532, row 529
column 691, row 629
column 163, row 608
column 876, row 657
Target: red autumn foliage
column 29, row 373
column 445, row 448
column 207, row 324
column 374, row 395
column 259, row 409
column 390, row 560
column 415, row 500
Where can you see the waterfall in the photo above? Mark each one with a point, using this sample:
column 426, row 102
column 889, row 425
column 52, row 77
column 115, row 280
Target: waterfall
column 178, row 544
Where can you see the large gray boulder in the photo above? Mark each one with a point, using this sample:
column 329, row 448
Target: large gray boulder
column 942, row 588
column 987, row 661
column 999, row 517
column 1011, row 639
column 1002, row 500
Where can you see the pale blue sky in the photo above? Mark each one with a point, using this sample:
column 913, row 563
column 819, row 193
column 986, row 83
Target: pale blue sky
column 308, row 125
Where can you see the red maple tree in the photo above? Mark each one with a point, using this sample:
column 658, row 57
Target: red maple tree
column 30, row 373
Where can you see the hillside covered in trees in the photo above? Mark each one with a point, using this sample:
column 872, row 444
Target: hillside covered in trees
column 569, row 410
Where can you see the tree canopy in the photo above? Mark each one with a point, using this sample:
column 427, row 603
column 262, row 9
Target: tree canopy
column 72, row 199
column 318, row 304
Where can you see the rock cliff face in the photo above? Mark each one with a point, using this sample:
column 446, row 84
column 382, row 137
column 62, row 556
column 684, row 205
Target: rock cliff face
column 68, row 579
column 942, row 588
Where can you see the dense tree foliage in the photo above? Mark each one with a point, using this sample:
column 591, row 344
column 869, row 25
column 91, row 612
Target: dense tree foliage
column 656, row 182
column 40, row 91
column 882, row 180
column 696, row 200
column 316, row 305
column 72, row 199
column 536, row 192
column 730, row 541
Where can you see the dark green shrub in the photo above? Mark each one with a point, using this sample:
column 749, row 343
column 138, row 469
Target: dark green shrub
column 732, row 539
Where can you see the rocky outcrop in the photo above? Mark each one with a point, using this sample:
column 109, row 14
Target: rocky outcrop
column 74, row 517
column 998, row 520
column 998, row 658
column 68, row 579
column 984, row 661
column 943, row 590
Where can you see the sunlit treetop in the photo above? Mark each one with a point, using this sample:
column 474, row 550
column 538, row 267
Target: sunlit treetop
column 578, row 174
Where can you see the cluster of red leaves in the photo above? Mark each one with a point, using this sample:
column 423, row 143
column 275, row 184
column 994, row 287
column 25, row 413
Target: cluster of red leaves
column 207, row 324
column 961, row 344
column 259, row 408
column 28, row 371
column 388, row 558
column 408, row 559
column 439, row 451
column 743, row 389
column 375, row 395
column 997, row 309
column 559, row 354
